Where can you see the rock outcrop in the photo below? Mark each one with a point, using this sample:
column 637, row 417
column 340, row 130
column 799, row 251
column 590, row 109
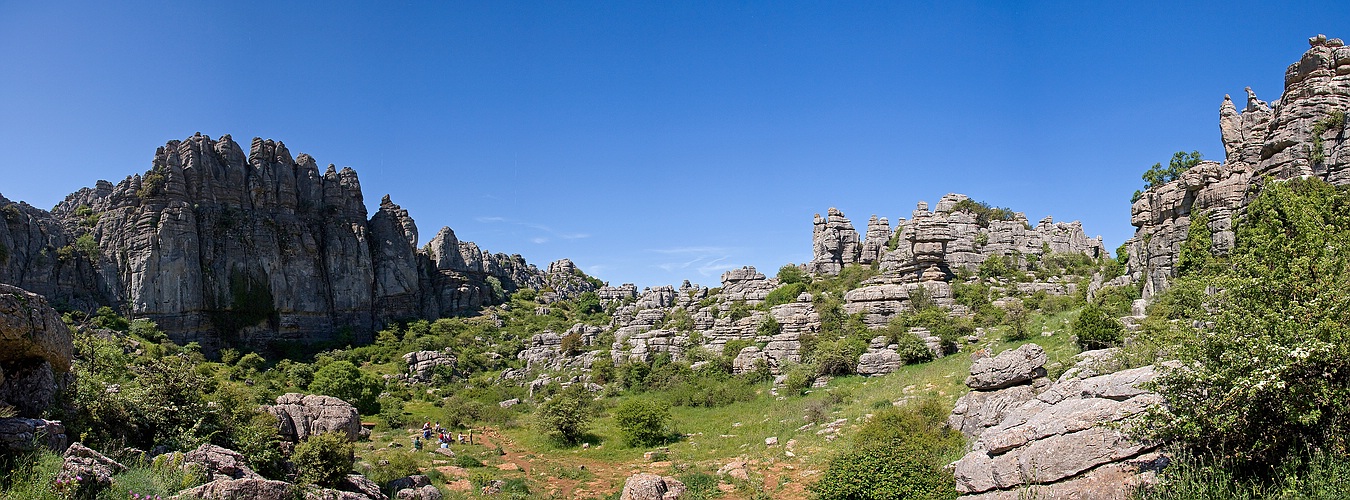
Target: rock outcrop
column 422, row 365
column 233, row 489
column 1057, row 439
column 835, row 243
column 1262, row 141
column 35, row 360
column 226, row 247
column 651, row 487
column 220, row 463
column 302, row 415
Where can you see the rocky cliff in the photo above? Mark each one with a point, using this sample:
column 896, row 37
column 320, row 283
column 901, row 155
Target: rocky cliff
column 222, row 246
column 1302, row 133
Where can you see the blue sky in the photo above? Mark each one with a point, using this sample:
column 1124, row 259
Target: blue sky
column 651, row 142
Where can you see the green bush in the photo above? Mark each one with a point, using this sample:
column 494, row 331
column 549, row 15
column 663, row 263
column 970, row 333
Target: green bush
column 343, row 380
column 837, row 357
column 567, row 415
column 790, row 274
column 323, row 459
column 1271, row 376
column 1096, row 329
column 785, row 294
column 899, row 453
column 1017, row 319
column 643, row 422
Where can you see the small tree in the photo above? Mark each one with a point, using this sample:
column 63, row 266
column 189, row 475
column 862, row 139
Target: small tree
column 1015, row 317
column 1096, row 329
column 567, row 415
column 323, row 459
column 343, row 380
column 643, row 422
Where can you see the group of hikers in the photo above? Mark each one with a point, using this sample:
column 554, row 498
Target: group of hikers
column 443, row 437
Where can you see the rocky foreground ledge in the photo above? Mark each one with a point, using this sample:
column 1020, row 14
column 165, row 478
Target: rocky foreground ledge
column 1053, row 439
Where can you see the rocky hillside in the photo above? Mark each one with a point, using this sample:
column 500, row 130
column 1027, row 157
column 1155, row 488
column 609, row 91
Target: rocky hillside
column 1303, row 133
column 223, row 247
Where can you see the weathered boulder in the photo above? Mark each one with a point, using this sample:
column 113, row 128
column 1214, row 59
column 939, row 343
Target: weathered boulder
column 35, row 352
column 240, row 489
column 881, row 358
column 220, row 463
column 25, row 434
column 1008, row 368
column 88, row 469
column 746, row 360
column 302, row 415
column 651, row 487
column 416, row 487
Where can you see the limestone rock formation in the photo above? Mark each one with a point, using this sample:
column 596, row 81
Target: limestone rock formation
column 232, row 489
column 89, row 469
column 226, row 247
column 835, row 243
column 881, row 358
column 21, row 434
column 302, row 415
column 220, row 463
column 35, row 358
column 1060, row 439
column 1008, row 368
column 1262, row 141
column 422, row 365
column 651, row 487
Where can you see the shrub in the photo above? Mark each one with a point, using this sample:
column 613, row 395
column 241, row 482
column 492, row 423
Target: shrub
column 790, row 274
column 323, row 459
column 799, row 378
column 837, row 357
column 391, row 411
column 643, row 422
column 899, row 453
column 393, row 464
column 567, row 415
column 769, row 327
column 1271, row 376
column 343, row 380
column 1196, row 250
column 1096, row 329
column 784, row 294
column 1015, row 317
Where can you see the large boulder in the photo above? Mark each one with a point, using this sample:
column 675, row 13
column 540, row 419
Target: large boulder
column 35, row 352
column 242, row 489
column 220, row 463
column 1057, row 440
column 88, row 470
column 651, row 487
column 26, row 434
column 417, row 487
column 302, row 415
column 1008, row 368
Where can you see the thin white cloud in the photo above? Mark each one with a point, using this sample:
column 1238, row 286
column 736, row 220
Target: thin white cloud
column 548, row 231
column 686, row 250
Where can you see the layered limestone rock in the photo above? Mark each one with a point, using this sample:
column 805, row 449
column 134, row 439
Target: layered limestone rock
column 835, row 243
column 746, row 284
column 422, row 365
column 226, row 247
column 301, row 415
column 1056, row 440
column 881, row 358
column 35, row 361
column 1262, row 141
column 932, row 247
